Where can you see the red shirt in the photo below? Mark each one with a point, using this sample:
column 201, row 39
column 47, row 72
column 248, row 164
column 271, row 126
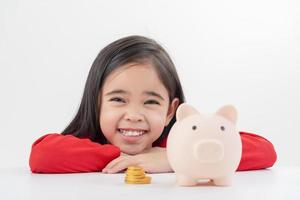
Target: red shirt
column 56, row 153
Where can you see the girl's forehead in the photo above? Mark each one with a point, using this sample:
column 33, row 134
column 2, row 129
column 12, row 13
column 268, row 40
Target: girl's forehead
column 138, row 76
column 132, row 71
column 128, row 69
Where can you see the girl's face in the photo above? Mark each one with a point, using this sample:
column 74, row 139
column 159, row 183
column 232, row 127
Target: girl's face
column 134, row 107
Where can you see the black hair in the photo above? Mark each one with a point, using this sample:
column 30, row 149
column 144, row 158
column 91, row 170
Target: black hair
column 122, row 51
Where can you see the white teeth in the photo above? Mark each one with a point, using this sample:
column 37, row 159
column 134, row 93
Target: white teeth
column 131, row 133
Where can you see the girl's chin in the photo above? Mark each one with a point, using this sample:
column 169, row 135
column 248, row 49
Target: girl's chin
column 132, row 145
column 131, row 152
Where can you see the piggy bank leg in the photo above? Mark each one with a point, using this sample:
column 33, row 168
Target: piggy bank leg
column 184, row 180
column 223, row 181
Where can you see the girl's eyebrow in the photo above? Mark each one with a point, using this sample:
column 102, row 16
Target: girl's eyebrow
column 155, row 94
column 116, row 92
column 149, row 93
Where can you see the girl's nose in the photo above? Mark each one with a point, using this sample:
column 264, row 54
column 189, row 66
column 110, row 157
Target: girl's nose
column 134, row 115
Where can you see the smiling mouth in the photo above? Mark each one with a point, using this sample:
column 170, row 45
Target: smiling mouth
column 132, row 133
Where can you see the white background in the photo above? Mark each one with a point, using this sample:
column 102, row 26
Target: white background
column 241, row 52
column 276, row 184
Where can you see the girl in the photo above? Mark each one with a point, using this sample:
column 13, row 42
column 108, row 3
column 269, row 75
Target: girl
column 127, row 109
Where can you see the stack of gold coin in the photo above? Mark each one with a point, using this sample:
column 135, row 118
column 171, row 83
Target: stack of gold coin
column 136, row 175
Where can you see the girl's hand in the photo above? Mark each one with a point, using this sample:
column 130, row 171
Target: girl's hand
column 153, row 160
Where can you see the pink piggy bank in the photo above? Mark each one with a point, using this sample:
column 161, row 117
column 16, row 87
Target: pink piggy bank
column 204, row 146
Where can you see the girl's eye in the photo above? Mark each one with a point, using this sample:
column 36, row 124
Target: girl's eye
column 152, row 102
column 117, row 99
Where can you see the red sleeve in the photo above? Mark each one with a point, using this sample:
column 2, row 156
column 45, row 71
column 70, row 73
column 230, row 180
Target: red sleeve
column 257, row 153
column 56, row 153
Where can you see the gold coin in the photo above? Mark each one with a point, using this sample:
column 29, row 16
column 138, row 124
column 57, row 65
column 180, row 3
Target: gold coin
column 135, row 173
column 138, row 182
column 146, row 178
column 135, row 177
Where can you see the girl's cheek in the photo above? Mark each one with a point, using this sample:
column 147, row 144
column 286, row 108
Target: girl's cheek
column 108, row 121
column 157, row 121
column 109, row 116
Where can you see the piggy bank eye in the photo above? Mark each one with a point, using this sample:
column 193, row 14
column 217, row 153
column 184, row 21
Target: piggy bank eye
column 194, row 127
column 222, row 128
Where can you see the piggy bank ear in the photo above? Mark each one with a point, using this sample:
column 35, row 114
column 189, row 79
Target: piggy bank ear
column 185, row 110
column 229, row 112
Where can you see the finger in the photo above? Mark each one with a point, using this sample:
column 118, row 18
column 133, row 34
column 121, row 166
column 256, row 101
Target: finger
column 122, row 165
column 112, row 163
column 124, row 154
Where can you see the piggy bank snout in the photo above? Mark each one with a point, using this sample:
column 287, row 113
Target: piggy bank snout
column 209, row 151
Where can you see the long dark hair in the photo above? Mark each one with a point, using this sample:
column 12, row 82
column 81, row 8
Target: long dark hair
column 125, row 50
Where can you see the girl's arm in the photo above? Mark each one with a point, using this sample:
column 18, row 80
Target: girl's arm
column 56, row 153
column 257, row 153
column 153, row 160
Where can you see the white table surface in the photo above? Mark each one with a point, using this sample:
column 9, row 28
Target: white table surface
column 20, row 183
